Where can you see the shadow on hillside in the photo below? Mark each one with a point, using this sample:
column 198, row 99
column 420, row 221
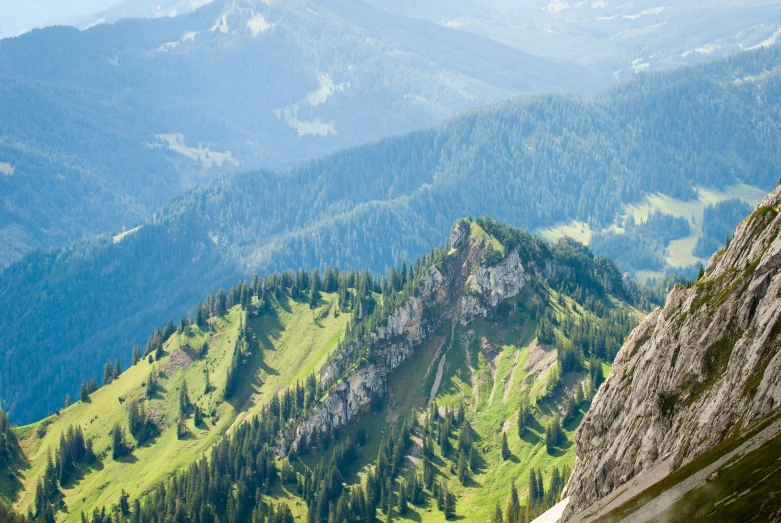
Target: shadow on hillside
column 530, row 437
column 129, row 459
column 561, row 448
column 472, row 483
column 158, row 394
column 149, row 440
column 575, row 421
column 284, row 303
column 12, row 483
column 82, row 470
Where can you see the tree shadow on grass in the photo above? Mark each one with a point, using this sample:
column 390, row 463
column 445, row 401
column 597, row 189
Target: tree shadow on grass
column 561, row 449
column 127, row 458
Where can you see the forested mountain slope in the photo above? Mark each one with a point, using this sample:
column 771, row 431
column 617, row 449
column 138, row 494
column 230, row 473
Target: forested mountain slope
column 98, row 128
column 533, row 162
column 461, row 376
column 686, row 427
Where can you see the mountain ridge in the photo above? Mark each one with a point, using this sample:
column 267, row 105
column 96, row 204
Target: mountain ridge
column 497, row 284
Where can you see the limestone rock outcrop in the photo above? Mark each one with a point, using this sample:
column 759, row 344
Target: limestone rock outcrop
column 442, row 294
column 694, row 371
column 499, row 282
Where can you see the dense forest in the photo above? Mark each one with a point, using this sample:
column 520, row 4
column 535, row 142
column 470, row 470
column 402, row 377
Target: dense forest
column 641, row 246
column 719, row 221
column 532, row 162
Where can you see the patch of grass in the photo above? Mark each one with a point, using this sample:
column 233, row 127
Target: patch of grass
column 745, row 490
column 476, row 231
column 730, row 443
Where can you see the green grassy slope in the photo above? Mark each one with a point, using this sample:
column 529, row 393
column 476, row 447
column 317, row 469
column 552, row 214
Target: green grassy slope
column 294, row 341
column 742, row 488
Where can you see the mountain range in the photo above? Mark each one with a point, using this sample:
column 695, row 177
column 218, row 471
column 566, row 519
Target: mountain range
column 468, row 384
column 102, row 126
column 661, row 143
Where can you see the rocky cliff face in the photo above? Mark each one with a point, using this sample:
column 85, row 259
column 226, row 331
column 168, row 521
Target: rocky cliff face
column 693, row 372
column 460, row 289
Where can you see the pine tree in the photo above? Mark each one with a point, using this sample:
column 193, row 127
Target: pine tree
column 314, row 294
column 524, row 418
column 497, row 515
column 181, row 427
column 124, row 505
column 136, row 356
column 184, row 399
column 401, row 506
column 208, row 387
column 117, row 370
column 108, row 373
column 151, row 384
column 84, row 392
column 463, row 469
column 68, row 401
column 534, row 494
column 450, row 504
column 118, row 447
column 513, row 505
column 505, row 448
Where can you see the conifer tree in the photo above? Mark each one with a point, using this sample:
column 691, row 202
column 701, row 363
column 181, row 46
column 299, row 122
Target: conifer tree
column 496, row 517
column 208, row 386
column 151, row 384
column 136, row 354
column 314, row 290
column 184, row 398
column 450, row 504
column 512, row 512
column 68, row 401
column 108, row 373
column 534, row 493
column 118, row 446
column 84, row 392
column 524, row 418
column 505, row 448
column 463, row 469
column 117, row 370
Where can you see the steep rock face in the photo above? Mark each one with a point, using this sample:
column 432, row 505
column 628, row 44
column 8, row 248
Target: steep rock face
column 342, row 403
column 465, row 290
column 693, row 371
column 506, row 279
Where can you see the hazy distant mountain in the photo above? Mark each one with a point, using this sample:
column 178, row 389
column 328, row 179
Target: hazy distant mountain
column 20, row 16
column 619, row 37
column 100, row 127
column 142, row 9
